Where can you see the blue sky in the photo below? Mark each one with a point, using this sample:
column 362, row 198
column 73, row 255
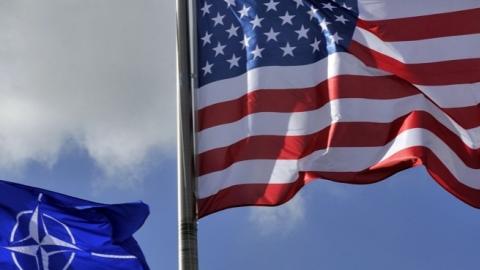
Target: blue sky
column 87, row 108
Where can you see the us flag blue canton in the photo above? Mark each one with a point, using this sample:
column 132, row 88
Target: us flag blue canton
column 44, row 230
column 239, row 35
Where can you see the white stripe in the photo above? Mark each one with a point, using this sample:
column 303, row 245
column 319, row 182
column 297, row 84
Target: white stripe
column 111, row 256
column 341, row 110
column 391, row 9
column 423, row 51
column 279, row 77
column 330, row 160
column 453, row 96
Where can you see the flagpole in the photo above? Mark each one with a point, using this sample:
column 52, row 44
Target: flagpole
column 187, row 212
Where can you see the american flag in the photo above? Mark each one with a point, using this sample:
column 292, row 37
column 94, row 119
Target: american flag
column 291, row 91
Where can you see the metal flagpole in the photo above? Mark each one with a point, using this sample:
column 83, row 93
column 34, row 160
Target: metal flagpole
column 187, row 212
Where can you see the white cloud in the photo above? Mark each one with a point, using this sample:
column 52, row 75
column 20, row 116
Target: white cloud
column 99, row 73
column 279, row 220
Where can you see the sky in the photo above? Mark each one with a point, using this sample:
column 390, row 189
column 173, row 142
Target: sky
column 87, row 108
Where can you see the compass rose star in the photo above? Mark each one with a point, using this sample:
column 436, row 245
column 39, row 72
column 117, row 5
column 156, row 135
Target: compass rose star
column 40, row 244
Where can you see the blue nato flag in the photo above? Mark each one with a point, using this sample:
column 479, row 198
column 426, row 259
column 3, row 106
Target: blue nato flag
column 44, row 230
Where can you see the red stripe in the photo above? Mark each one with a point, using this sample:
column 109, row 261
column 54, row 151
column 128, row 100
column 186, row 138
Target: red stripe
column 468, row 117
column 304, row 99
column 276, row 194
column 425, row 27
column 336, row 135
column 252, row 194
column 438, row 73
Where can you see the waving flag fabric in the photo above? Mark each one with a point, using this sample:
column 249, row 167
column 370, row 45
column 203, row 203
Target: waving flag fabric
column 353, row 91
column 44, row 230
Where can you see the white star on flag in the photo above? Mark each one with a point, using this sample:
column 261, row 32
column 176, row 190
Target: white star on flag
column 272, row 35
column 230, row 3
column 341, row 19
column 232, row 32
column 207, row 69
column 335, row 38
column 206, row 8
column 245, row 42
column 312, row 12
column 257, row 52
column 206, row 39
column 256, row 22
column 328, row 6
column 287, row 18
column 287, row 50
column 302, row 32
column 219, row 49
column 271, row 5
column 324, row 24
column 218, row 19
column 299, row 3
column 316, row 45
column 244, row 12
column 233, row 61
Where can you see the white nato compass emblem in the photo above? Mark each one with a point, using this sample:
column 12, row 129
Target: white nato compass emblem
column 39, row 241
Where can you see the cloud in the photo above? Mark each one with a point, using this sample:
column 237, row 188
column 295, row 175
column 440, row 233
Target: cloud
column 99, row 73
column 279, row 220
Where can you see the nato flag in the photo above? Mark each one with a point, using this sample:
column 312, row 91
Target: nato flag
column 44, row 230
